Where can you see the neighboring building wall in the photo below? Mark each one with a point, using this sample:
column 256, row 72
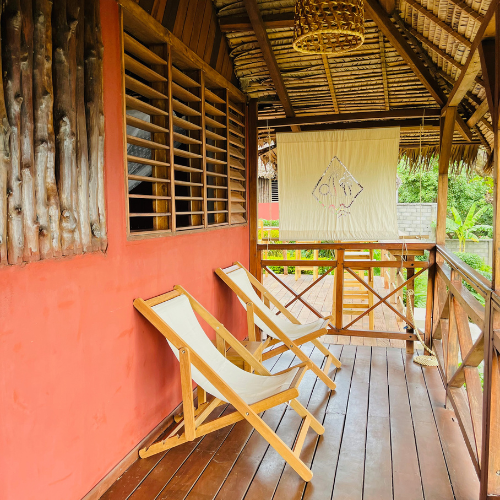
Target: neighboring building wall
column 483, row 248
column 415, row 219
column 83, row 376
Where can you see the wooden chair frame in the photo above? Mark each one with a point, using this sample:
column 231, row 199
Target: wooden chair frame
column 193, row 418
column 288, row 344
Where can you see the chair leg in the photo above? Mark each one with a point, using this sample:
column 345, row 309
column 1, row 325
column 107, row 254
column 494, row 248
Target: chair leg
column 304, row 413
column 326, row 352
column 313, row 366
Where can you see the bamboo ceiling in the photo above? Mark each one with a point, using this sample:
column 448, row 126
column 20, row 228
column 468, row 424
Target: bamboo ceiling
column 373, row 77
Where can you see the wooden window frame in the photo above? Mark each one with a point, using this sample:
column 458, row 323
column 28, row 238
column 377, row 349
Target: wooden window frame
column 210, row 126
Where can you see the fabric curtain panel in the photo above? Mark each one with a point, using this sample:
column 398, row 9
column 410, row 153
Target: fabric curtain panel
column 338, row 185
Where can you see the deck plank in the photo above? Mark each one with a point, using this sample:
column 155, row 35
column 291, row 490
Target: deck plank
column 435, row 479
column 405, row 468
column 327, row 451
column 350, row 468
column 378, row 465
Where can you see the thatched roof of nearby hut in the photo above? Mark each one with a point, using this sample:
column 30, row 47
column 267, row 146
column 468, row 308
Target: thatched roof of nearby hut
column 373, row 77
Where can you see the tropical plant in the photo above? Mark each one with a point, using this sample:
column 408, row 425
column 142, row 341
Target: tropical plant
column 465, row 230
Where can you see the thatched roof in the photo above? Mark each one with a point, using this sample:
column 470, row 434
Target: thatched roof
column 373, row 77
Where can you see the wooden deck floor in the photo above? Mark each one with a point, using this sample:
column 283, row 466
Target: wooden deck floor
column 388, row 436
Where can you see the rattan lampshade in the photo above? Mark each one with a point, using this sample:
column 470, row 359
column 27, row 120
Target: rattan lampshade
column 328, row 26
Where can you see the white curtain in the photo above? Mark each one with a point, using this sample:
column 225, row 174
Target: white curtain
column 338, row 185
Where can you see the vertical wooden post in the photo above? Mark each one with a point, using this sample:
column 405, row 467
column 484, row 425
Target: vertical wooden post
column 171, row 131
column 489, row 53
column 430, row 297
column 410, row 303
column 253, row 165
column 446, row 139
column 339, row 290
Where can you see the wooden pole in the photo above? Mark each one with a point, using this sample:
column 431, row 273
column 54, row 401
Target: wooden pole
column 252, row 166
column 11, row 54
column 446, row 139
column 81, row 138
column 489, row 53
column 4, row 170
column 47, row 197
column 31, row 225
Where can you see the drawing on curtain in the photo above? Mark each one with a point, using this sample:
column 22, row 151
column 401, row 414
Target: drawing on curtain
column 337, row 189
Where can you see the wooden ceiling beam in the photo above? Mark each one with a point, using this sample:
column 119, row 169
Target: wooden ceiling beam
column 350, row 117
column 473, row 65
column 329, row 78
column 478, row 114
column 259, row 29
column 384, row 69
column 406, row 125
column 242, row 23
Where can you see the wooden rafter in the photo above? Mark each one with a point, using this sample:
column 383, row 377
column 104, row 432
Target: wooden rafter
column 472, row 66
column 242, row 23
column 348, row 117
column 329, row 78
column 384, row 69
column 478, row 114
column 259, row 29
column 382, row 20
column 433, row 18
column 158, row 9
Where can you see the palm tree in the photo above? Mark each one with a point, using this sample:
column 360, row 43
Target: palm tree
column 466, row 230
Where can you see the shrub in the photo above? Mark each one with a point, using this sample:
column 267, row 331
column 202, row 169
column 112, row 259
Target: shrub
column 471, row 259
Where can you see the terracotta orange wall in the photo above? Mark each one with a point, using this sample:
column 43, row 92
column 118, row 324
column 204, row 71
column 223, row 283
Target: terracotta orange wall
column 83, row 378
column 269, row 211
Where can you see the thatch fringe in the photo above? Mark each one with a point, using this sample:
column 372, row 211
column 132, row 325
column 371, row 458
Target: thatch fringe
column 470, row 158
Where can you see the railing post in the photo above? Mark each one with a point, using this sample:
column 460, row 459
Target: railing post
column 429, row 304
column 410, row 303
column 339, row 290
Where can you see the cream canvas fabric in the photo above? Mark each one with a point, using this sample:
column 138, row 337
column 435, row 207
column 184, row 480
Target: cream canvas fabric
column 364, row 210
column 291, row 330
column 179, row 315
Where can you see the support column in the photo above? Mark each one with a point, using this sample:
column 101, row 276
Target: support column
column 253, row 166
column 446, row 139
column 489, row 52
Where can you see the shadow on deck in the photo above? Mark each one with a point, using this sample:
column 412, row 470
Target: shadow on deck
column 388, row 436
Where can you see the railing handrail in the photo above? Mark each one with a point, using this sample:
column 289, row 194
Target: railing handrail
column 386, row 245
column 465, row 270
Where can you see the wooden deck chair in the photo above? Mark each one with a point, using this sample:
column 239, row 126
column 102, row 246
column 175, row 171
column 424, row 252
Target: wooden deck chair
column 285, row 328
column 173, row 314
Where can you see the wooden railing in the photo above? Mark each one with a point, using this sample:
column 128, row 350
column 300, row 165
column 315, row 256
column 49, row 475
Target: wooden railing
column 457, row 297
column 354, row 265
column 462, row 357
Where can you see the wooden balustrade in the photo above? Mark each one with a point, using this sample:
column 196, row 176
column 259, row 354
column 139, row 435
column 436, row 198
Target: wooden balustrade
column 457, row 296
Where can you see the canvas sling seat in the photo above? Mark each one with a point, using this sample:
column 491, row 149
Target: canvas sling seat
column 283, row 328
column 173, row 314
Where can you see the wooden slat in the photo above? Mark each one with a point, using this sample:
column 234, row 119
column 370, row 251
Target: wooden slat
column 213, row 123
column 213, row 136
column 214, row 149
column 183, row 109
column 140, row 51
column 183, row 94
column 212, row 97
column 185, row 139
column 185, row 124
column 145, row 143
column 215, row 161
column 212, row 110
column 143, row 89
column 146, row 179
column 186, row 154
column 146, row 161
column 182, row 79
column 141, row 70
column 144, row 107
column 153, row 214
column 143, row 125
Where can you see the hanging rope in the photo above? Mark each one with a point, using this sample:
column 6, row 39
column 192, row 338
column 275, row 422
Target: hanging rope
column 421, row 360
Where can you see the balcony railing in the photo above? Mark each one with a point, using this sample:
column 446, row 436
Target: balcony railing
column 457, row 297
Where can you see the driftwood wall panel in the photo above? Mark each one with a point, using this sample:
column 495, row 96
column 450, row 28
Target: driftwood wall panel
column 51, row 130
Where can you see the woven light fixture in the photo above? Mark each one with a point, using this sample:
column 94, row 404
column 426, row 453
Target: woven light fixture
column 328, row 26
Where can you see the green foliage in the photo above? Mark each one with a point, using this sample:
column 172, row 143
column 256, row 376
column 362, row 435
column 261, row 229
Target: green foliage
column 478, row 264
column 467, row 229
column 463, row 191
